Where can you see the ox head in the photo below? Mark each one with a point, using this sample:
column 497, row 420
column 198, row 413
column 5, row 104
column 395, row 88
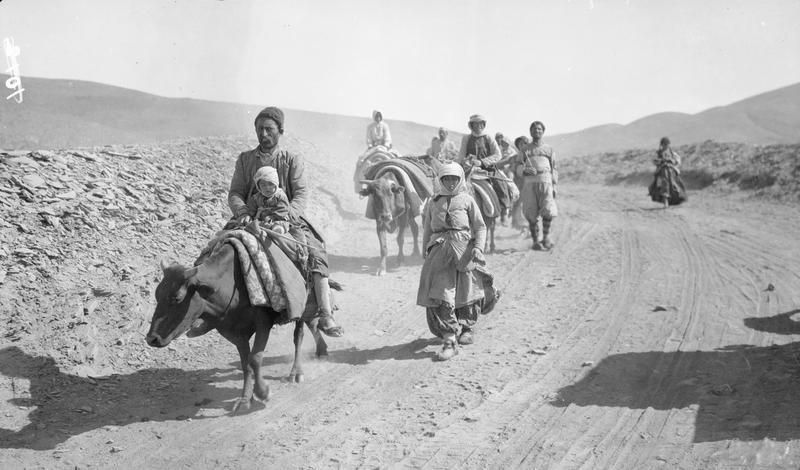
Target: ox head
column 180, row 301
column 388, row 200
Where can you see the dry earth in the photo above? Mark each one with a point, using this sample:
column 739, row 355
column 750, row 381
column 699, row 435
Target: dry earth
column 646, row 339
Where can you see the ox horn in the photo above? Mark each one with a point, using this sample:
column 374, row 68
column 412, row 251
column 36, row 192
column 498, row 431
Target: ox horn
column 164, row 264
column 365, row 181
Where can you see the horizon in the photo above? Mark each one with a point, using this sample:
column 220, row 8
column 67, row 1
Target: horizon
column 398, row 120
column 440, row 63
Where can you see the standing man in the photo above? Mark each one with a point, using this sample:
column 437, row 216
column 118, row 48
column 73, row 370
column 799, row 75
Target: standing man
column 537, row 167
column 378, row 132
column 443, row 149
column 292, row 179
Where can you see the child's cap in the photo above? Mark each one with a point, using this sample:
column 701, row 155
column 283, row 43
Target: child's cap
column 267, row 173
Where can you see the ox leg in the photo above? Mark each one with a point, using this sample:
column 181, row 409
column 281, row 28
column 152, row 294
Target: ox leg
column 412, row 223
column 243, row 346
column 401, row 238
column 384, row 252
column 253, row 381
column 296, row 375
column 322, row 346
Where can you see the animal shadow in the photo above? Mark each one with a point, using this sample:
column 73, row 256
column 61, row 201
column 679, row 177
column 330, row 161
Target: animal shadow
column 64, row 405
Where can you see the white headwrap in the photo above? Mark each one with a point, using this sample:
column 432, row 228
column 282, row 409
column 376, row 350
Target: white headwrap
column 451, row 169
column 267, row 173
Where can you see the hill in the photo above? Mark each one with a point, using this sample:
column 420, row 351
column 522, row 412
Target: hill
column 59, row 113
column 767, row 118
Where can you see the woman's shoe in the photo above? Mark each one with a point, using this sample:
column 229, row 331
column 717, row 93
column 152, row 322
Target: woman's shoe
column 466, row 337
column 449, row 349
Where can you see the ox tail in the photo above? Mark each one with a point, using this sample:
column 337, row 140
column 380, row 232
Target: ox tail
column 335, row 285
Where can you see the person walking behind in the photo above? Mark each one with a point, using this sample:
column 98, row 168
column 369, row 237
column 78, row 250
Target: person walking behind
column 517, row 218
column 667, row 186
column 454, row 285
column 536, row 165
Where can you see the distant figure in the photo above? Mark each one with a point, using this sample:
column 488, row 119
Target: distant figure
column 537, row 167
column 507, row 152
column 378, row 132
column 517, row 218
column 667, row 186
column 454, row 286
column 442, row 148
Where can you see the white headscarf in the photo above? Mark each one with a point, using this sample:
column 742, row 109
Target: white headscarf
column 451, row 169
column 266, row 173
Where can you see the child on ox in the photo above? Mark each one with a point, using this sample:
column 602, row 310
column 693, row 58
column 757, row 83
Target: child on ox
column 269, row 207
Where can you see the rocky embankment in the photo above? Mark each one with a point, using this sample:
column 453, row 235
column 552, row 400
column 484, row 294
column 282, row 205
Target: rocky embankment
column 82, row 232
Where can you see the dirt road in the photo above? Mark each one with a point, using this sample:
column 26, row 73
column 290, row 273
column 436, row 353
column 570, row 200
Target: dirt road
column 645, row 339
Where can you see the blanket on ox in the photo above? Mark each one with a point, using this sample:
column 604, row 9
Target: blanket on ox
column 416, row 176
column 271, row 278
column 486, row 197
column 369, row 158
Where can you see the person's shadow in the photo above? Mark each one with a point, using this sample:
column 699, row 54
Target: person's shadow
column 744, row 392
column 62, row 406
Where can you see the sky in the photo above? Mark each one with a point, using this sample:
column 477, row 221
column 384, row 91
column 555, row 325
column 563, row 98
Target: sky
column 570, row 63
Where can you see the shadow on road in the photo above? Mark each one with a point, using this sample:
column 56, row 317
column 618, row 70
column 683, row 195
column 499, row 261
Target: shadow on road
column 61, row 406
column 413, row 350
column 781, row 324
column 369, row 264
column 742, row 392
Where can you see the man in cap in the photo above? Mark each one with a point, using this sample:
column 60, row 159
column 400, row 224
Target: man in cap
column 481, row 150
column 291, row 175
column 478, row 147
column 536, row 165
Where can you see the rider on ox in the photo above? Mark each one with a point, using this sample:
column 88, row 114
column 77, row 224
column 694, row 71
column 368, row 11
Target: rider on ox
column 480, row 150
column 378, row 132
column 291, row 175
column 536, row 165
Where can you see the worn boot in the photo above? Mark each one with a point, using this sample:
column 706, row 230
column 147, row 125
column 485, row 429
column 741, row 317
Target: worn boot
column 546, row 242
column 534, row 226
column 322, row 291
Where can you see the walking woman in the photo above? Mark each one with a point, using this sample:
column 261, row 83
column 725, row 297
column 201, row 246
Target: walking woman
column 667, row 186
column 454, row 285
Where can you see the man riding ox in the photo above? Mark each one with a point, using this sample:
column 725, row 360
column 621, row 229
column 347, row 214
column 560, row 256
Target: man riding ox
column 244, row 283
column 478, row 155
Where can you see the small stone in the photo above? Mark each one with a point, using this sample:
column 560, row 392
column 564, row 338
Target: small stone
column 587, row 363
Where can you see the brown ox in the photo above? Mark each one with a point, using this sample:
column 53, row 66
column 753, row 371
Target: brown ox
column 391, row 211
column 213, row 296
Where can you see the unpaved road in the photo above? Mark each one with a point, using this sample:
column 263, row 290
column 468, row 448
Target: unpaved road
column 645, row 339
